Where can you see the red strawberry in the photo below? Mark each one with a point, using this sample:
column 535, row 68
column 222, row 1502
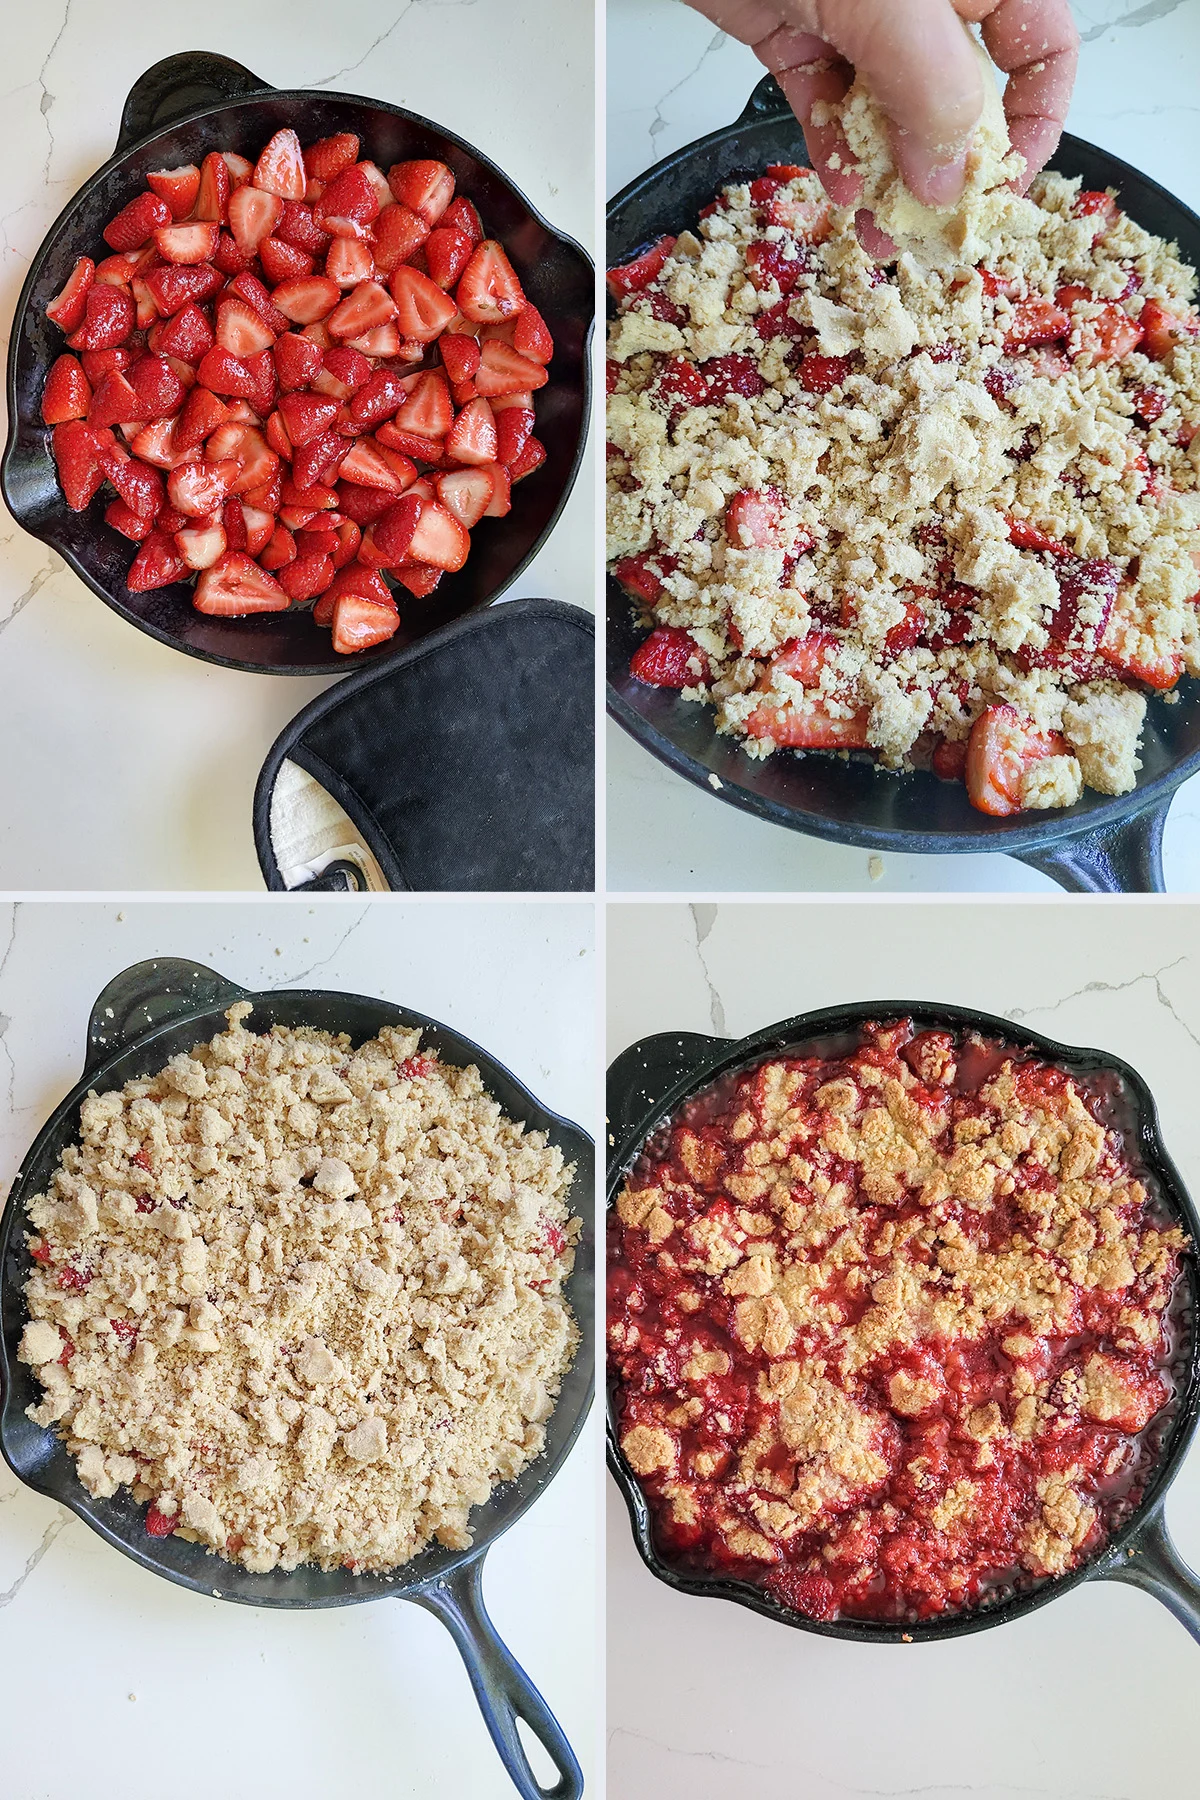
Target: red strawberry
column 139, row 485
column 180, row 285
column 235, row 585
column 157, row 564
column 528, row 462
column 1163, row 330
column 136, row 222
column 307, row 298
column 349, row 261
column 241, row 330
column 732, row 374
column 366, row 465
column 514, row 428
column 283, row 262
column 297, row 360
column 76, row 455
column 202, row 413
column 1036, row 322
column 115, row 402
column 364, row 307
column 668, row 658
column 531, row 337
column 319, row 460
column 157, row 443
column 463, row 216
column 502, row 371
column 233, row 519
column 821, row 374
column 307, row 576
column 368, row 584
column 329, row 156
column 117, row 270
column 500, row 503
column 473, row 438
column 447, row 251
column 306, row 416
column 201, row 545
column 109, row 317
column 1097, row 205
column 157, row 386
column 439, row 539
column 343, row 372
column 378, row 398
column 67, row 393
column 189, row 244
column 279, row 550
column 67, row 306
column 253, row 216
column 753, row 518
column 130, row 524
column 385, row 342
column 348, row 204
column 460, row 356
column 212, row 195
column 1002, row 745
column 427, row 410
column 364, row 504
column 280, row 168
column 640, row 271
column 178, row 187
column 97, row 363
column 1149, row 404
column 419, row 578
column 263, row 385
column 398, row 232
column 229, row 257
column 426, row 188
column 358, row 623
column 392, row 533
column 489, row 290
column 422, row 310
column 467, row 493
column 199, row 488
column 225, row 374
column 188, row 335
column 297, row 226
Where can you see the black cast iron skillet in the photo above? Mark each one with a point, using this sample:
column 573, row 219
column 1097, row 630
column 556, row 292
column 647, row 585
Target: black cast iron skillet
column 146, row 1015
column 176, row 113
column 1100, row 844
column 649, row 1083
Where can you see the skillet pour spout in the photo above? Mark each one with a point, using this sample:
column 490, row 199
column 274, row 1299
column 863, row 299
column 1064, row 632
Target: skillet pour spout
column 1101, row 844
column 648, row 1085
column 147, row 1014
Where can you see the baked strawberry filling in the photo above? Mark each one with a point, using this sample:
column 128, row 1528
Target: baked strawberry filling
column 892, row 1330
column 297, row 376
column 977, row 485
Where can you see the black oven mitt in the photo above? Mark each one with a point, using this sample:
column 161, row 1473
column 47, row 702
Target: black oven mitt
column 467, row 764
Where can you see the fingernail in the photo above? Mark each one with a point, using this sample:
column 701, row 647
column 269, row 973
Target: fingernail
column 934, row 180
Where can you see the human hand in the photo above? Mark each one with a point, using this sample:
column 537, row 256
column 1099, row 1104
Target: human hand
column 918, row 64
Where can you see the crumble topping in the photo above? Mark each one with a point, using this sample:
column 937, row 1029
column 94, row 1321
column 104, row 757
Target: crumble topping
column 899, row 1329
column 920, row 509
column 306, row 1299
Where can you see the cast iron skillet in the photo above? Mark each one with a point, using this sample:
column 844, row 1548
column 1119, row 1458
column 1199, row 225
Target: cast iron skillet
column 647, row 1085
column 146, row 1015
column 1100, row 844
column 176, row 113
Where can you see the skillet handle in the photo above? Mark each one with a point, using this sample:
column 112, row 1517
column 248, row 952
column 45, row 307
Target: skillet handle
column 179, row 85
column 502, row 1688
column 641, row 1075
column 1125, row 858
column 147, row 993
column 1154, row 1564
column 768, row 101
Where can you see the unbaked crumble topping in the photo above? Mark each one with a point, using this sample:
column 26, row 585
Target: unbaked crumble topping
column 305, row 1299
column 888, row 1329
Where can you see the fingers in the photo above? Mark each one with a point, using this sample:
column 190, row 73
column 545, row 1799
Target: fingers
column 1036, row 43
column 808, row 70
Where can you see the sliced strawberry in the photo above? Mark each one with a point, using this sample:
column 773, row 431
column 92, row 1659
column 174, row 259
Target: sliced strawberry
column 365, row 307
column 378, row 398
column 950, row 759
column 122, row 518
column 115, row 402
column 366, row 466
column 447, row 251
column 178, row 285
column 258, row 462
column 514, row 428
column 67, row 393
column 158, row 443
column 253, row 216
column 116, row 271
column 199, row 488
column 201, row 545
column 500, row 504
column 177, row 187
column 439, row 539
column 225, row 374
column 419, row 578
column 473, row 438
column 392, row 533
column 157, row 386
column 1134, row 651
column 641, row 270
column 241, row 330
column 1002, row 746
column 297, row 226
column 233, row 520
column 1027, row 536
column 187, row 335
column 187, row 245
column 422, row 310
column 307, row 298
column 460, row 356
column 503, row 371
column 348, row 205
column 139, row 485
column 280, row 168
column 489, row 290
column 425, row 187
column 368, row 584
column 157, row 564
column 279, row 550
column 318, row 462
column 532, row 456
column 212, row 195
column 821, row 374
column 385, row 342
column 753, row 519
column 810, row 725
column 669, row 658
column 68, row 305
column 358, row 623
column 306, row 416
column 427, row 409
column 329, row 156
column 1098, row 206
column 398, row 232
column 1149, row 404
column 1163, row 330
column 1109, row 334
column 343, row 372
column 1036, row 322
column 531, row 337
column 462, row 214
column 306, row 576
column 135, row 223
column 297, row 360
column 467, row 493
column 349, row 262
column 364, row 504
column 108, row 318
column 235, row 585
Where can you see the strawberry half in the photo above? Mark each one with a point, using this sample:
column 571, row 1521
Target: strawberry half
column 365, row 307
column 109, row 315
column 212, row 194
column 177, row 187
column 425, row 187
column 195, row 242
column 329, row 156
column 235, row 585
column 422, row 310
column 137, row 222
column 348, row 204
column 473, row 438
column 467, row 493
column 77, row 458
column 502, row 370
column 157, row 564
column 306, row 299
column 177, row 286
column 398, row 233
column 359, row 622
column 67, row 393
column 67, row 306
column 489, row 291
column 253, row 216
column 280, row 168
column 427, row 410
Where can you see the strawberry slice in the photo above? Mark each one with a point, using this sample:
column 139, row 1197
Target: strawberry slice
column 447, row 252
column 343, row 371
column 307, row 298
column 329, row 156
column 306, row 416
column 297, row 226
column 77, row 458
column 109, row 316
column 180, row 285
column 68, row 305
column 157, row 564
column 380, row 396
column 398, row 233
column 489, row 290
column 359, row 622
column 118, row 270
column 97, row 363
column 1163, row 330
column 279, row 550
column 187, row 335
column 137, row 222
column 67, row 393
column 157, row 386
column 631, row 277
column 810, row 725
column 365, row 307
column 240, row 168
column 253, row 216
column 668, row 658
column 514, row 428
column 425, row 187
column 419, row 578
column 195, row 242
column 318, row 462
column 199, row 488
column 753, row 519
column 349, row 261
column 130, row 524
column 201, row 545
column 422, row 310
column 225, row 374
column 392, row 532
column 428, row 410
column 503, row 371
column 463, row 215
column 1109, row 335
column 473, row 438
column 158, row 443
column 500, row 504
column 139, row 485
column 1002, row 746
column 284, row 262
column 1036, row 322
column 115, row 402
column 531, row 336
column 280, row 168
column 460, row 356
column 1134, row 651
column 467, row 493
column 528, row 462
column 297, row 360
column 439, row 539
column 348, row 204
column 1098, row 206
column 241, row 330
column 235, row 585
column 385, row 341
column 307, row 576
column 212, row 194
column 365, row 503
column 177, row 187
column 366, row 465
column 1027, row 536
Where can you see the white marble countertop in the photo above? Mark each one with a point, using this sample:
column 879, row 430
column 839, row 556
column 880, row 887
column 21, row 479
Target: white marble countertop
column 180, row 744
column 1091, row 1698
column 671, row 77
column 122, row 1683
